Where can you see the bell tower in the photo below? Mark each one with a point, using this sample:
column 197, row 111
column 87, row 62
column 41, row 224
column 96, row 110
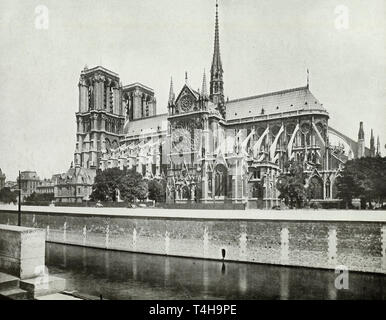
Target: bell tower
column 100, row 118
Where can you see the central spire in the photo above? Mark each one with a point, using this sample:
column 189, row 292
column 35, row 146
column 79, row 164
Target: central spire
column 216, row 71
column 216, row 62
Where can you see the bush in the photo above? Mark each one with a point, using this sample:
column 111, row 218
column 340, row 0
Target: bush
column 40, row 197
column 157, row 190
column 36, row 203
column 8, row 196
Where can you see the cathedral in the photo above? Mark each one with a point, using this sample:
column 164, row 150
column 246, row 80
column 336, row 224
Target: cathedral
column 208, row 148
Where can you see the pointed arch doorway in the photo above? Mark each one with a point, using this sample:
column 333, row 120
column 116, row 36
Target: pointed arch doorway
column 220, row 181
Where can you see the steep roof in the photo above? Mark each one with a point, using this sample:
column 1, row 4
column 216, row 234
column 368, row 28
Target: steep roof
column 275, row 102
column 146, row 125
column 192, row 91
column 77, row 176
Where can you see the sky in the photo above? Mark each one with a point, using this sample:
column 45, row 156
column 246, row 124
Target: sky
column 266, row 45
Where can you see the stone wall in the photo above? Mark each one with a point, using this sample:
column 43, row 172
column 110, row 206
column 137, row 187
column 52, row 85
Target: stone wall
column 22, row 251
column 361, row 246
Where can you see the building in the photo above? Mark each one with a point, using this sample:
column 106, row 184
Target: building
column 74, row 186
column 2, row 179
column 46, row 186
column 211, row 149
column 12, row 185
column 29, row 181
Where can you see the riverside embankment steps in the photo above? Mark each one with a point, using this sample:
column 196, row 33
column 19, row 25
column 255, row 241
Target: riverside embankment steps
column 9, row 288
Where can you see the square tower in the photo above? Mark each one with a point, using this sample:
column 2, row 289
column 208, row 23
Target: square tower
column 139, row 101
column 101, row 116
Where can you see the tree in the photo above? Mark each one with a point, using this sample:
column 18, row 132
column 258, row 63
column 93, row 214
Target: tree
column 363, row 178
column 37, row 197
column 198, row 191
column 129, row 183
column 132, row 186
column 291, row 185
column 157, row 190
column 346, row 188
column 106, row 184
column 7, row 196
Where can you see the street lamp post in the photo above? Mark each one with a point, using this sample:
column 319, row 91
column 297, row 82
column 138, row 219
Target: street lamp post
column 19, row 203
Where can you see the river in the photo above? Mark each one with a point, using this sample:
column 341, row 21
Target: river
column 124, row 275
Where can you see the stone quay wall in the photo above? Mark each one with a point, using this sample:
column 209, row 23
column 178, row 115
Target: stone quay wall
column 22, row 251
column 358, row 245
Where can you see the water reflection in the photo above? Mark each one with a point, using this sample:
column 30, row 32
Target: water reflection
column 134, row 266
column 84, row 259
column 107, row 263
column 167, row 270
column 223, row 268
column 123, row 275
column 383, row 232
column 205, row 276
column 332, row 291
column 284, row 282
column 243, row 278
column 64, row 252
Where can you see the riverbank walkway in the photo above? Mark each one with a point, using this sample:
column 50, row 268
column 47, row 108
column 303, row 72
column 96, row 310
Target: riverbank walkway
column 253, row 214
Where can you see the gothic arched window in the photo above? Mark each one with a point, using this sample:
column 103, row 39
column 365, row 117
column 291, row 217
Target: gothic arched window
column 90, row 98
column 220, row 180
column 328, row 186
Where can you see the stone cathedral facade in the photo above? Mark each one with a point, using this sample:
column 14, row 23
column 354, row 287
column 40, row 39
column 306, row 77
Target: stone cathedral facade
column 208, row 148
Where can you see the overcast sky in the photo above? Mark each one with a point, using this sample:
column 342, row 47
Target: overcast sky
column 266, row 45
